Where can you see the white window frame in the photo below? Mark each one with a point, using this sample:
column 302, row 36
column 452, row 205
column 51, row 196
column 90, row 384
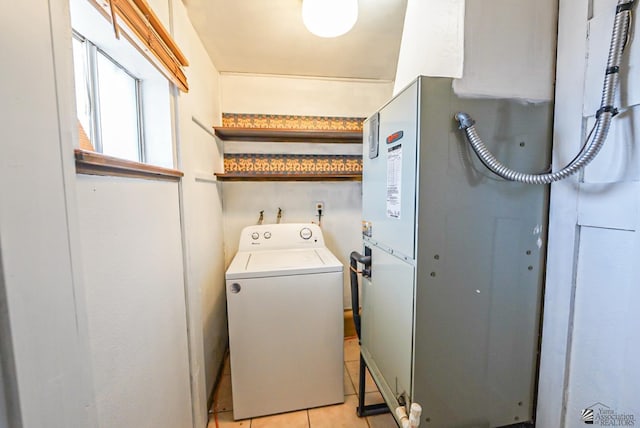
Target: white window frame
column 155, row 91
column 92, row 84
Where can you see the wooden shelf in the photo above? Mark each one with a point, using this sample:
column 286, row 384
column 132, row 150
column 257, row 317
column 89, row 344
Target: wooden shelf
column 264, row 128
column 291, row 167
column 288, row 177
column 271, row 135
column 93, row 163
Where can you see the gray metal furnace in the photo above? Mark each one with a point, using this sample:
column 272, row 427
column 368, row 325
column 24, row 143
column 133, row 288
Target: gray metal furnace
column 451, row 308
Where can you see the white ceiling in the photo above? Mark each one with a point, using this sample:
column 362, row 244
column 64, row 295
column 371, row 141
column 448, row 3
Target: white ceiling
column 268, row 37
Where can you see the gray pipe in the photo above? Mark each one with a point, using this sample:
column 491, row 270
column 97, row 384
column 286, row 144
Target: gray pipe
column 603, row 116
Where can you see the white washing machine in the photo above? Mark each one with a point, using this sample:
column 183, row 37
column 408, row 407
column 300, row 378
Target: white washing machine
column 285, row 308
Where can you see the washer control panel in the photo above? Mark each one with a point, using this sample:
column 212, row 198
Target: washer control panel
column 306, row 233
column 281, row 236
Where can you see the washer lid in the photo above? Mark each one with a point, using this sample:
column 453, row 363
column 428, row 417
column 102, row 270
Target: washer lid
column 261, row 264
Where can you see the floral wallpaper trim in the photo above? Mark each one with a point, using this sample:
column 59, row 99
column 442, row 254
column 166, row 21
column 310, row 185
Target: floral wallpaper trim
column 265, row 164
column 274, row 121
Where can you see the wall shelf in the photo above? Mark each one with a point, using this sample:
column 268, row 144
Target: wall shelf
column 290, row 167
column 288, row 177
column 270, row 135
column 290, row 129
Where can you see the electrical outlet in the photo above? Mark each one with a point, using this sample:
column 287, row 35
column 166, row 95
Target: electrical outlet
column 319, row 205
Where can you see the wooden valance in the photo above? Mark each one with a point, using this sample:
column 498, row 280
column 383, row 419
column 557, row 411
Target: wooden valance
column 143, row 28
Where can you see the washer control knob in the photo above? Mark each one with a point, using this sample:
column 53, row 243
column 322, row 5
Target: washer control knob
column 267, row 235
column 255, row 235
column 305, row 233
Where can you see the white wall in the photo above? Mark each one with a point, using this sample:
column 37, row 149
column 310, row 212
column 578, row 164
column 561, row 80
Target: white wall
column 266, row 94
column 509, row 49
column 200, row 156
column 130, row 233
column 497, row 48
column 102, row 278
column 42, row 318
column 432, row 41
column 242, row 202
column 155, row 267
column 590, row 340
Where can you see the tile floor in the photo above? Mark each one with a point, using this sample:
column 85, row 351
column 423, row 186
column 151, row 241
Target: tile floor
column 337, row 416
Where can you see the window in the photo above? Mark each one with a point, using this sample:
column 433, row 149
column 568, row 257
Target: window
column 83, row 106
column 123, row 100
column 108, row 102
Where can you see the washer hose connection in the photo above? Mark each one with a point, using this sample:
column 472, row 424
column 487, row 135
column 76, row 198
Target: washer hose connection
column 604, row 115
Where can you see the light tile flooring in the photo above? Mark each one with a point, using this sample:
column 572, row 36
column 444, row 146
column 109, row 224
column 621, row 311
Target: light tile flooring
column 337, row 416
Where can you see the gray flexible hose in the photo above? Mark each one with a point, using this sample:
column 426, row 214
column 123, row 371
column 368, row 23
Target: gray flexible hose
column 603, row 116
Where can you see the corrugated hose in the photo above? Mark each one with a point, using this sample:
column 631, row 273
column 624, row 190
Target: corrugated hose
column 605, row 113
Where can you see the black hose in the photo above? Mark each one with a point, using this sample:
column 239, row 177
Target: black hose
column 356, row 258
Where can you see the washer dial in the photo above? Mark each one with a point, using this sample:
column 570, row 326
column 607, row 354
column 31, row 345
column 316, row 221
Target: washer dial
column 305, row 233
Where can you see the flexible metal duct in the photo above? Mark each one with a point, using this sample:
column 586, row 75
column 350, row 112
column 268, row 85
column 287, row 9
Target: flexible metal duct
column 603, row 116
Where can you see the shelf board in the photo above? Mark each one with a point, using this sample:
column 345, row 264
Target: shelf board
column 288, row 177
column 283, row 135
column 93, row 163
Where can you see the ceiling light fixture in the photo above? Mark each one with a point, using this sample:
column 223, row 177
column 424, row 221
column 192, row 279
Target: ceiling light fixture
column 329, row 18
